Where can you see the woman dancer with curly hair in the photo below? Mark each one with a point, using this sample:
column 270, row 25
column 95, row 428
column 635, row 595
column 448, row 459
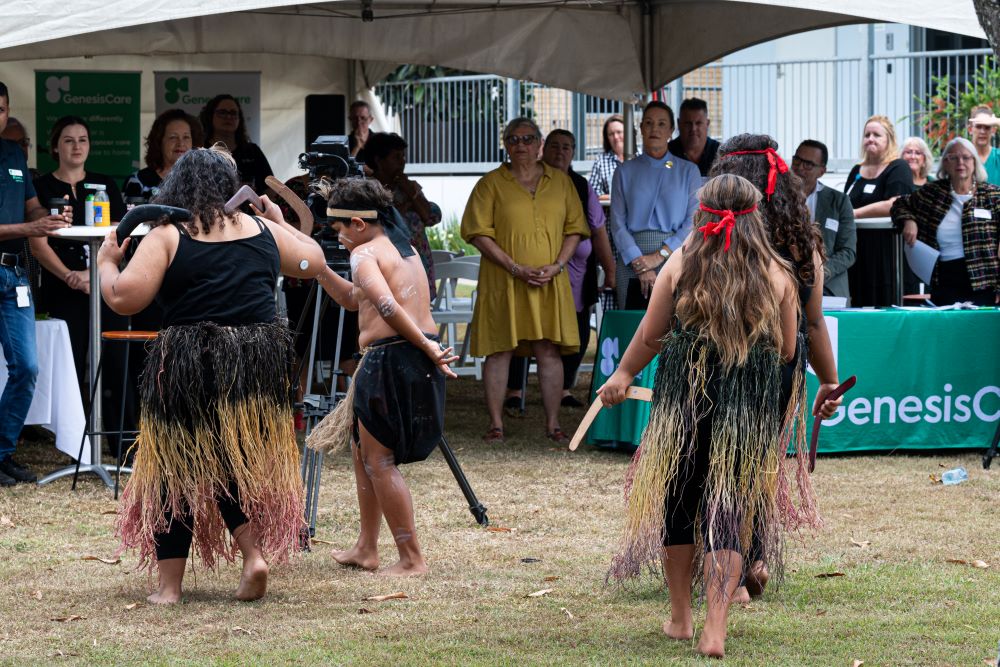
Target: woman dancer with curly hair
column 797, row 240
column 723, row 317
column 216, row 447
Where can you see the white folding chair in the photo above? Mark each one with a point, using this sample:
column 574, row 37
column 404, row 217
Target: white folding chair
column 450, row 311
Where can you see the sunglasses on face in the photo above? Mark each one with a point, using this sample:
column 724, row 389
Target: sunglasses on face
column 526, row 139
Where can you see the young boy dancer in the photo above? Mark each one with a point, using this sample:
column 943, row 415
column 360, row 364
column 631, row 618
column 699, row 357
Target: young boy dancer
column 394, row 411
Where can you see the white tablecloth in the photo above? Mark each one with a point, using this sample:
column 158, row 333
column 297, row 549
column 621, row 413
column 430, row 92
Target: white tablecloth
column 57, row 404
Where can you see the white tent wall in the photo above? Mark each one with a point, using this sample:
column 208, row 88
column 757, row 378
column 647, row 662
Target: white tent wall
column 285, row 81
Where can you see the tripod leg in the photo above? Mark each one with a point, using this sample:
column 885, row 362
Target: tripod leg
column 477, row 508
column 992, row 452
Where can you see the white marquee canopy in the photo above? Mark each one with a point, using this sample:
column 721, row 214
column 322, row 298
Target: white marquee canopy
column 616, row 48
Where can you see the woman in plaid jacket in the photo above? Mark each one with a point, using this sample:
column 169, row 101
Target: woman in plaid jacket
column 957, row 215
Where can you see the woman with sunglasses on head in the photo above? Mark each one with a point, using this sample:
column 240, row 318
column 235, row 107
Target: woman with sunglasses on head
column 957, row 216
column 526, row 219
column 223, row 121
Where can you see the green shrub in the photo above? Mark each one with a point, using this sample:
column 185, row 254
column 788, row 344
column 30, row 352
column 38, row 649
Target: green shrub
column 445, row 236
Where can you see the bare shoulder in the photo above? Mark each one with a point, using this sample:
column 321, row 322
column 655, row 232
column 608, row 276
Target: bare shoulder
column 162, row 236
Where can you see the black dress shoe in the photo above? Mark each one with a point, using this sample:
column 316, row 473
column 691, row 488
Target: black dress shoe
column 21, row 474
column 7, row 480
column 571, row 401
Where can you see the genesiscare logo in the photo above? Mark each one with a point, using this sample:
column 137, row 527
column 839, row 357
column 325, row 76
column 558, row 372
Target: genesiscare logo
column 54, row 87
column 174, row 88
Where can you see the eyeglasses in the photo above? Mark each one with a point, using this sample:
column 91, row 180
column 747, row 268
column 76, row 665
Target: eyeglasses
column 359, row 119
column 526, row 139
column 229, row 113
column 808, row 165
column 955, row 157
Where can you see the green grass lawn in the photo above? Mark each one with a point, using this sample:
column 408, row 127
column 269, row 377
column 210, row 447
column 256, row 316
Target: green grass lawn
column 889, row 530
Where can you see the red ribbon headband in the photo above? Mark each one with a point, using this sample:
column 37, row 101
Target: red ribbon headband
column 728, row 220
column 777, row 165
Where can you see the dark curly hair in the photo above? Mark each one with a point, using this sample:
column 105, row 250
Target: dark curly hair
column 202, row 181
column 207, row 115
column 355, row 193
column 785, row 212
column 154, row 141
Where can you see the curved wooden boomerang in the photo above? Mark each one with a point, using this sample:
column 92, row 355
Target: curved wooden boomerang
column 818, row 421
column 638, row 393
column 300, row 207
column 244, row 194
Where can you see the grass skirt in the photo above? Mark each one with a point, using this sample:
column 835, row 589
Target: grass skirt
column 215, row 409
column 748, row 488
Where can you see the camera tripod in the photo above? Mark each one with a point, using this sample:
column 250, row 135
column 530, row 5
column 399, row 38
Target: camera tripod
column 317, row 406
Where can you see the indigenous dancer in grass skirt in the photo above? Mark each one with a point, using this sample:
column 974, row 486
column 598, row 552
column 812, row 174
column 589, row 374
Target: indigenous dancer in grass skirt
column 723, row 317
column 394, row 409
column 216, row 448
column 797, row 239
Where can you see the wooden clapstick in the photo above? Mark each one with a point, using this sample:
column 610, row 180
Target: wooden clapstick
column 638, row 393
column 300, row 207
column 243, row 195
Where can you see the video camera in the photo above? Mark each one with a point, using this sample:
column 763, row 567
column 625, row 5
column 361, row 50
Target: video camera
column 329, row 157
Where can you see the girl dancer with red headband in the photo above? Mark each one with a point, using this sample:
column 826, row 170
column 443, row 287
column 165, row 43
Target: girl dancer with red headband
column 723, row 318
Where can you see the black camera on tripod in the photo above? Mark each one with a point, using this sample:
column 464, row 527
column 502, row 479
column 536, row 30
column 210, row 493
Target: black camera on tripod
column 329, row 158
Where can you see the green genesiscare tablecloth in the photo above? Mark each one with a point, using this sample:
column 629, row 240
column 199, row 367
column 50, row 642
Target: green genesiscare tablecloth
column 926, row 379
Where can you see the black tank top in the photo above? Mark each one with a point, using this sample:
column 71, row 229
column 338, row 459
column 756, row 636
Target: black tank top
column 227, row 282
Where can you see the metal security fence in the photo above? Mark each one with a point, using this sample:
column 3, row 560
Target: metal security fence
column 453, row 124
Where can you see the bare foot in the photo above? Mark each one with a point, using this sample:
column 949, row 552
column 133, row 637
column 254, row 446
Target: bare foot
column 253, row 581
column 741, row 596
column 356, row 557
column 683, row 630
column 712, row 643
column 401, row 569
column 164, row 597
column 757, row 578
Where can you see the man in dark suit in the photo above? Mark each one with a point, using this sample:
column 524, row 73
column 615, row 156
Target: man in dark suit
column 832, row 211
column 692, row 142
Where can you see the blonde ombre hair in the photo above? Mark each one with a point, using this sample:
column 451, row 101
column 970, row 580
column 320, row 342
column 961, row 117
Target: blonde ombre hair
column 892, row 148
column 727, row 295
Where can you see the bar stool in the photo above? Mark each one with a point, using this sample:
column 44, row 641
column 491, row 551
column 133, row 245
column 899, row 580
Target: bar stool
column 128, row 338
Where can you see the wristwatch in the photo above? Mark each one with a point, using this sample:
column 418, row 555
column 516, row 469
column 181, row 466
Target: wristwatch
column 665, row 252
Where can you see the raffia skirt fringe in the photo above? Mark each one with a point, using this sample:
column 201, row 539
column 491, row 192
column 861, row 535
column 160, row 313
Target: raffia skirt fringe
column 215, row 409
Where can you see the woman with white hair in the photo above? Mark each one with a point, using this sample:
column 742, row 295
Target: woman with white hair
column 918, row 155
column 957, row 215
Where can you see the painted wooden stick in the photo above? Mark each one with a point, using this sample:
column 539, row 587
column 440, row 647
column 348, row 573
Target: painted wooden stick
column 638, row 393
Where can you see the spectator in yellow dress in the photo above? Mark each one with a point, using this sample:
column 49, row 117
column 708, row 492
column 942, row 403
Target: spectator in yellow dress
column 526, row 219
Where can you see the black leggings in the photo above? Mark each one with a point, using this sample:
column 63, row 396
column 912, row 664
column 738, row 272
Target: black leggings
column 176, row 541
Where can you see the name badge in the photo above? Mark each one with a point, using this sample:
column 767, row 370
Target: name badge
column 832, row 224
column 981, row 214
column 869, row 188
column 22, row 296
column 17, row 175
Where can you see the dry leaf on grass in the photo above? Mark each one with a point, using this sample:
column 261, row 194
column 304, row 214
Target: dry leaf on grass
column 37, row 595
column 827, row 575
column 550, row 578
column 978, row 564
column 538, row 594
column 861, row 545
column 243, row 630
column 106, row 561
column 66, row 619
column 362, row 610
column 110, row 512
column 130, row 607
column 935, row 479
column 564, row 609
column 316, row 541
column 821, row 612
column 391, row 596
column 499, row 529
column 5, row 522
column 857, row 663
column 531, row 560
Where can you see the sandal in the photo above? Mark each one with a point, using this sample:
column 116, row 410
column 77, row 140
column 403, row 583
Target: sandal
column 493, row 436
column 558, row 436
